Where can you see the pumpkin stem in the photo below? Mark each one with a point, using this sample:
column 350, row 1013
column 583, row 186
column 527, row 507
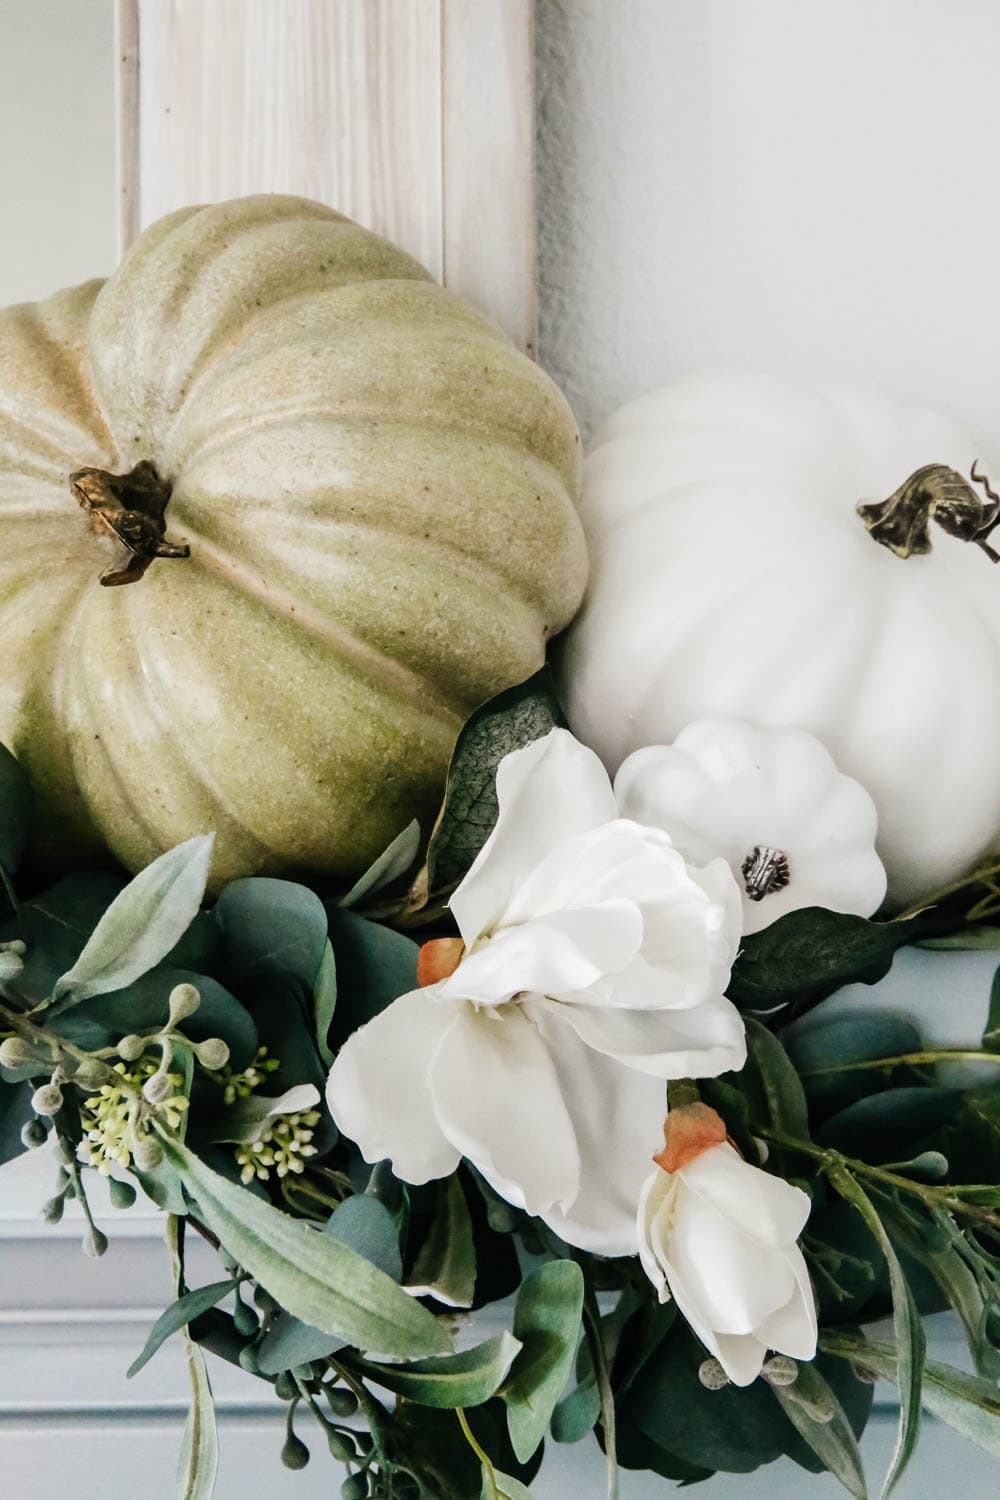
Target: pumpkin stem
column 934, row 493
column 765, row 870
column 131, row 508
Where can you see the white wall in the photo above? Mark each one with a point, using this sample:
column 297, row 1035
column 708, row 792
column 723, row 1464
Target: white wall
column 799, row 185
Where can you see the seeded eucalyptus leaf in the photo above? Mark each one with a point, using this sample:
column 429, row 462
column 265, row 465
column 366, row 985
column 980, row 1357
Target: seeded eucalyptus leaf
column 578, row 1413
column 507, row 722
column 807, row 954
column 56, row 925
column 271, row 927
column 391, row 865
column 815, row 1412
column 547, row 1322
column 177, row 1316
column 290, row 1342
column 452, row 1380
column 375, row 965
column 311, row 1275
column 15, row 811
column 822, row 1050
column 908, row 1329
column 889, row 1126
column 445, row 1267
column 142, row 924
column 15, row 1111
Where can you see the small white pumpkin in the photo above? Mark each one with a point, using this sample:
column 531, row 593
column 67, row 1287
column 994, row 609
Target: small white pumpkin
column 733, row 575
column 772, row 804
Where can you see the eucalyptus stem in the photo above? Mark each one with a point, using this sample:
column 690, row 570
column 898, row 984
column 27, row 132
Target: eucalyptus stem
column 595, row 1341
column 30, row 1031
column 934, row 1197
column 905, row 1059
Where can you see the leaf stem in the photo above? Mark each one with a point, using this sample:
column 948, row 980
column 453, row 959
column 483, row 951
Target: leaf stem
column 592, row 1326
column 905, row 1059
column 478, row 1450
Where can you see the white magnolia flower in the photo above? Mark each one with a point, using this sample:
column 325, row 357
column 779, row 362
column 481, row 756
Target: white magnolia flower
column 793, row 829
column 719, row 1235
column 591, row 967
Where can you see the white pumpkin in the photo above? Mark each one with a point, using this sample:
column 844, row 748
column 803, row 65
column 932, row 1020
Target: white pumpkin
column 793, row 829
column 733, row 575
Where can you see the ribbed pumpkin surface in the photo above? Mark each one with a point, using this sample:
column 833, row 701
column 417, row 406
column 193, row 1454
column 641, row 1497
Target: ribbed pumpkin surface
column 377, row 489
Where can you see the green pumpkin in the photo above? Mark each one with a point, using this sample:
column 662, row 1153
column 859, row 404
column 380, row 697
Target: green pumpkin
column 377, row 493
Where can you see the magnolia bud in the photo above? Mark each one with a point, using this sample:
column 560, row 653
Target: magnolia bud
column 15, row 1052
column 48, row 1100
column 184, row 1001
column 158, row 1088
column 212, row 1053
column 95, row 1243
column 131, row 1047
column 147, row 1153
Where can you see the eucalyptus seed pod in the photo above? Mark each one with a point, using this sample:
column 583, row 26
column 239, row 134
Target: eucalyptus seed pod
column 341, row 1445
column 122, row 1194
column 52, row 1209
column 341, row 1401
column 47, row 1100
column 294, row 1454
column 249, row 1361
column 15, row 1052
column 245, row 1319
column 131, row 1047
column 184, row 1001
column 95, row 1242
column 284, row 1386
column 147, row 1153
column 65, row 1151
column 780, row 1370
column 712, row 1376
column 34, row 1133
column 90, row 1074
column 158, row 1088
column 16, row 946
column 354, row 1487
column 213, row 1053
column 11, row 965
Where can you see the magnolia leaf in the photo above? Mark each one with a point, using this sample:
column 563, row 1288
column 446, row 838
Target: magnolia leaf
column 15, row 811
column 271, row 927
column 813, row 1409
column 142, row 924
column 781, row 1089
column 177, row 1316
column 364, row 1225
column 391, row 864
column 547, row 1322
column 246, row 1119
column 446, row 1265
column 807, row 954
column 508, row 722
column 452, row 1380
column 907, row 1327
column 311, row 1275
column 325, row 1002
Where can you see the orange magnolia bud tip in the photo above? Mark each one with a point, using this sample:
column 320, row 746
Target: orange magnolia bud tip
column 439, row 958
column 687, row 1132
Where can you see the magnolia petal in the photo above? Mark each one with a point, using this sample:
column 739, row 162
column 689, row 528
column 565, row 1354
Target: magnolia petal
column 792, row 1329
column 734, row 1282
column 498, row 1098
column 655, row 1191
column 617, row 1117
column 559, row 954
column 549, row 791
column 765, row 1208
column 699, row 1043
column 741, row 1355
column 618, row 859
column 389, row 1060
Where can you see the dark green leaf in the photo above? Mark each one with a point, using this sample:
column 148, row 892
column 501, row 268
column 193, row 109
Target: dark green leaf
column 311, row 1275
column 807, row 954
column 781, row 1094
column 55, row 926
column 452, row 1380
column 907, row 1327
column 889, row 1126
column 15, row 1111
column 15, row 811
column 813, row 1409
column 325, row 1002
column 547, row 1323
column 271, row 927
column 375, row 965
column 177, row 1316
column 822, row 1049
column 142, row 924
column 508, row 722
column 445, row 1267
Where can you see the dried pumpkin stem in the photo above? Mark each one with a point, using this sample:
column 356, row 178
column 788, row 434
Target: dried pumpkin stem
column 131, row 508
column 934, row 493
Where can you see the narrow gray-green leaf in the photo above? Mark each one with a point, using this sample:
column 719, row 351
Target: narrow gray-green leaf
column 142, row 924
column 177, row 1316
column 445, row 1268
column 547, row 1322
column 198, row 1463
column 907, row 1328
column 392, row 863
column 245, row 1119
column 325, row 1002
column 312, row 1275
column 783, row 1093
column 503, row 1487
column 814, row 1410
column 452, row 1380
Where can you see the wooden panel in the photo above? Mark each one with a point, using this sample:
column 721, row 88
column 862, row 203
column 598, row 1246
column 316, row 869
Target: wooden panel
column 413, row 116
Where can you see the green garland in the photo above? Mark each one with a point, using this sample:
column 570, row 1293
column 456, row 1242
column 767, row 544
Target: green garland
column 184, row 1050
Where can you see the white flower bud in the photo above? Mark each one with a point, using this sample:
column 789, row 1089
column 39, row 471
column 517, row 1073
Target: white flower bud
column 48, row 1100
column 184, row 1001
